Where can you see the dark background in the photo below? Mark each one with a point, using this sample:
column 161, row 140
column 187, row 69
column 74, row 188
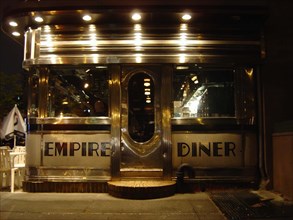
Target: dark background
column 11, row 52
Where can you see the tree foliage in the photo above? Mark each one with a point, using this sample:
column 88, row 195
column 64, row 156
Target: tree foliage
column 11, row 92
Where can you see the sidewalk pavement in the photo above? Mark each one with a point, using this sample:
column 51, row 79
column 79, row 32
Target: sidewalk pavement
column 61, row 206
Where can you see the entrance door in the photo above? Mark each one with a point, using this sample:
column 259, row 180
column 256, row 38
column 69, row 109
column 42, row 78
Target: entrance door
column 141, row 122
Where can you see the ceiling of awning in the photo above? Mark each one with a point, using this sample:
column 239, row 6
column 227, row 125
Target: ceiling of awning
column 160, row 34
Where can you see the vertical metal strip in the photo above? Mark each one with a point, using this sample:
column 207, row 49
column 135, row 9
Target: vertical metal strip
column 115, row 102
column 43, row 91
column 166, row 91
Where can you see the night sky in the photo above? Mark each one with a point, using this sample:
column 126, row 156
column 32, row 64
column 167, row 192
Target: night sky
column 11, row 53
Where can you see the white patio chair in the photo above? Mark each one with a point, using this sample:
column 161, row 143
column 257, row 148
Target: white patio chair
column 5, row 166
column 17, row 165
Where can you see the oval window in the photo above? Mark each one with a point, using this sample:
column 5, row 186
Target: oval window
column 141, row 114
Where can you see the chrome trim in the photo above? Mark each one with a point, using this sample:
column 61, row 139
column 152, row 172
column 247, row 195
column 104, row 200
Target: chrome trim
column 145, row 148
column 43, row 91
column 115, row 102
column 72, row 120
column 92, row 44
column 204, row 121
column 166, row 99
column 66, row 174
column 72, row 132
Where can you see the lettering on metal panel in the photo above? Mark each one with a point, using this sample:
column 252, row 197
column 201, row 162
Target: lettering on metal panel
column 72, row 149
column 207, row 150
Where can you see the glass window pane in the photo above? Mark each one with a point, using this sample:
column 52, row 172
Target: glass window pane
column 203, row 93
column 141, row 114
column 81, row 92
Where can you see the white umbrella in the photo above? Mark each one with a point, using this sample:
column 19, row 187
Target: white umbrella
column 13, row 125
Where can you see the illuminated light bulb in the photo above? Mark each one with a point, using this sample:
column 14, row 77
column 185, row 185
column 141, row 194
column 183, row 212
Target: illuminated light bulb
column 136, row 17
column 39, row 19
column 87, row 18
column 86, row 85
column 13, row 24
column 16, row 34
column 186, row 17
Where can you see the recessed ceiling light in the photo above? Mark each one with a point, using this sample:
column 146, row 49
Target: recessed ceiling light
column 13, row 24
column 87, row 18
column 186, row 17
column 16, row 34
column 136, row 17
column 39, row 19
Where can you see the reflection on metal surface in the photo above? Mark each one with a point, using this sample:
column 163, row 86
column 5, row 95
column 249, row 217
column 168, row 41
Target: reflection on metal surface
column 140, row 148
column 204, row 93
column 71, row 120
column 140, row 126
column 97, row 44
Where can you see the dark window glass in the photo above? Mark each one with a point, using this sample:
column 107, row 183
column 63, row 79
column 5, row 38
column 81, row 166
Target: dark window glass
column 81, row 92
column 141, row 107
column 203, row 93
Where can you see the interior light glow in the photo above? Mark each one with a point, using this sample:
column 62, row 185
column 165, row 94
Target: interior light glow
column 87, row 18
column 194, row 78
column 47, row 29
column 86, row 85
column 13, row 24
column 249, row 71
column 186, row 17
column 101, row 67
column 148, row 99
column 147, row 91
column 16, row 34
column 182, row 67
column 39, row 19
column 147, row 82
column 136, row 17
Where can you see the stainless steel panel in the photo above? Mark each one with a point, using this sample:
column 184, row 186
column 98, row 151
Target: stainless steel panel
column 91, row 44
column 43, row 91
column 140, row 155
column 71, row 120
column 115, row 102
column 166, row 100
